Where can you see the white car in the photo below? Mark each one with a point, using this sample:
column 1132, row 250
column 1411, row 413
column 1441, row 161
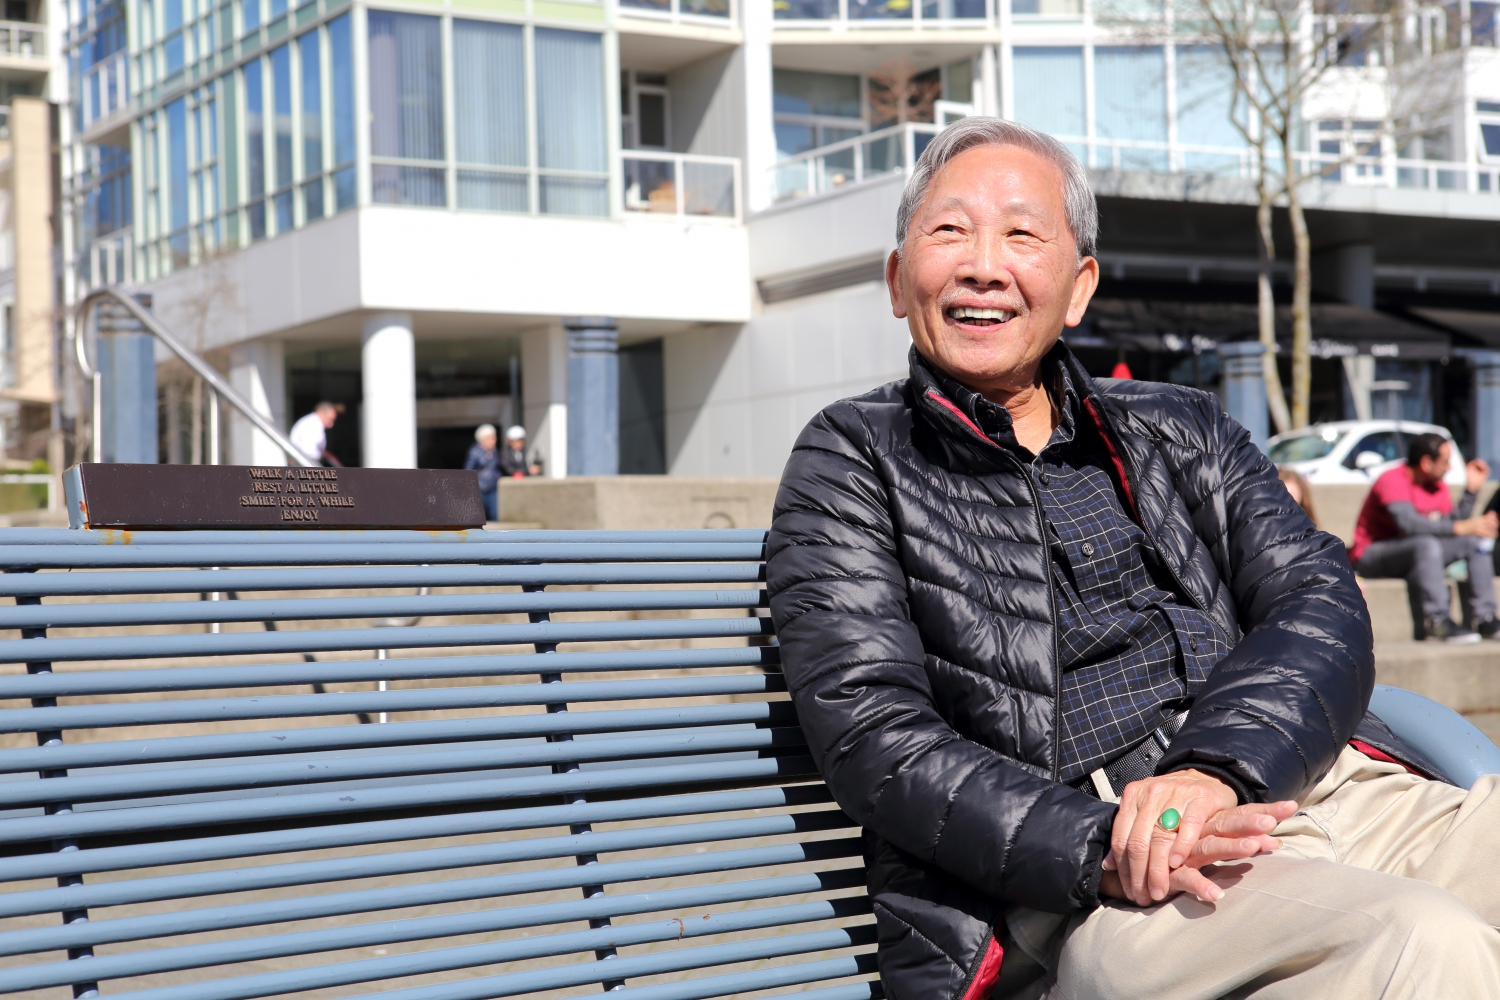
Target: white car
column 1355, row 452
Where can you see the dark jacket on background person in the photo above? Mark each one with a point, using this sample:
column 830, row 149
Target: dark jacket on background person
column 487, row 464
column 911, row 590
column 513, row 461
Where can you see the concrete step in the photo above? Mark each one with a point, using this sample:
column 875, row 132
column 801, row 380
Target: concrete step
column 1465, row 678
column 1390, row 610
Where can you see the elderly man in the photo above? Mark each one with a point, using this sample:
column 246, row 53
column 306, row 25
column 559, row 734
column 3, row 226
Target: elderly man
column 1093, row 684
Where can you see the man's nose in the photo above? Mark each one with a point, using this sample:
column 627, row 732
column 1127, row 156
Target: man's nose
column 987, row 265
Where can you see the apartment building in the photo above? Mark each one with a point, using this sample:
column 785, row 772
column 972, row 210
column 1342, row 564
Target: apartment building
column 652, row 230
column 28, row 315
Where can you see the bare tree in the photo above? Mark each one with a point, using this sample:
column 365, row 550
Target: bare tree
column 1287, row 57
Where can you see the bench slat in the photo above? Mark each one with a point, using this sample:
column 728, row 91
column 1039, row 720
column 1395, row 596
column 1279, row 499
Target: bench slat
column 401, row 862
column 314, row 608
column 200, row 581
column 134, row 647
column 244, row 845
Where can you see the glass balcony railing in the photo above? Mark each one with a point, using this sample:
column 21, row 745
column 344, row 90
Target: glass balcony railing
column 22, row 38
column 713, row 10
column 681, row 186
column 877, row 13
column 852, row 161
column 894, row 150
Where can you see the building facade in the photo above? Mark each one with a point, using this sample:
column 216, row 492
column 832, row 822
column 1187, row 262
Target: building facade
column 652, row 231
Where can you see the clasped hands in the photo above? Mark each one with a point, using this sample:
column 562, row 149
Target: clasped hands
column 1146, row 864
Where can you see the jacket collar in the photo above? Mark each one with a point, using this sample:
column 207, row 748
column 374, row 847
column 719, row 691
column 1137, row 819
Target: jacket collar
column 966, row 418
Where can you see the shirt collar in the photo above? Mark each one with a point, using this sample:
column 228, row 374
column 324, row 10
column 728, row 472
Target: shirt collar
column 994, row 420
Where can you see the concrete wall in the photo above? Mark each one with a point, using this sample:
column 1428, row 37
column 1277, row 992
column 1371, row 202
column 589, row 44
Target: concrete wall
column 708, row 106
column 736, row 399
column 638, row 502
column 31, row 207
column 478, row 264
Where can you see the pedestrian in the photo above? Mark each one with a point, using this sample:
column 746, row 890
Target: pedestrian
column 513, row 461
column 1408, row 527
column 1297, row 485
column 1061, row 646
column 310, row 434
column 484, row 458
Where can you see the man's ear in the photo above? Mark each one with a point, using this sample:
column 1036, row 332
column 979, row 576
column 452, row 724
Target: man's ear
column 1085, row 282
column 893, row 284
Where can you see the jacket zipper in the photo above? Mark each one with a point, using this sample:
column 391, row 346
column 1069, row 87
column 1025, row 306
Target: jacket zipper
column 1041, row 523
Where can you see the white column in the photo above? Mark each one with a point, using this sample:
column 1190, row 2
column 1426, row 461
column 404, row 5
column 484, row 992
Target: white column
column 987, row 87
column 544, row 384
column 257, row 371
column 388, row 413
column 760, row 128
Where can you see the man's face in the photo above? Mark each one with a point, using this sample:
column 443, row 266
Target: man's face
column 517, row 443
column 328, row 415
column 1430, row 470
column 487, row 442
column 990, row 275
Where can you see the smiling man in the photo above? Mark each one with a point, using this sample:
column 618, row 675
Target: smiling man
column 1092, row 683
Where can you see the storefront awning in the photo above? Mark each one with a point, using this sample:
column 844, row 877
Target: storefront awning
column 1481, row 327
column 1338, row 330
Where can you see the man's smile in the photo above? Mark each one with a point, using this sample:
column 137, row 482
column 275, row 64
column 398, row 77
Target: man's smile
column 980, row 316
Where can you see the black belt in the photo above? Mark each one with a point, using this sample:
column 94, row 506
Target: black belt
column 1139, row 763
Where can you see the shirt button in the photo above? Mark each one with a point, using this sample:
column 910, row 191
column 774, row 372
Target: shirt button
column 1043, row 478
column 1193, row 642
column 1088, row 548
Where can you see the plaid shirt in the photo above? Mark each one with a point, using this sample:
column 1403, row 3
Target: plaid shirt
column 1131, row 655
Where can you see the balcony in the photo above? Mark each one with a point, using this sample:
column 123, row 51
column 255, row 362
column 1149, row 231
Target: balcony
column 105, row 90
column 23, row 49
column 899, row 14
column 893, row 151
column 716, row 12
column 681, row 187
column 851, row 162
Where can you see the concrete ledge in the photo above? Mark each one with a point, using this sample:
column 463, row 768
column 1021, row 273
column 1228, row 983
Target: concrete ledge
column 638, row 502
column 1465, row 678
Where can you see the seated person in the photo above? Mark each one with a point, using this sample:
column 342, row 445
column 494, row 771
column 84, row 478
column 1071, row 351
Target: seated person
column 1091, row 681
column 1408, row 527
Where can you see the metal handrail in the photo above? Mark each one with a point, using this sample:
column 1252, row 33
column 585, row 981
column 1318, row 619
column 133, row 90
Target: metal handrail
column 200, row 367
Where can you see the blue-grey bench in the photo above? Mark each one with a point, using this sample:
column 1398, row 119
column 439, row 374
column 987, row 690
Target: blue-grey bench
column 214, row 811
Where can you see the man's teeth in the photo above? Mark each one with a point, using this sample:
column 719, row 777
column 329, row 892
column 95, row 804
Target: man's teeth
column 969, row 312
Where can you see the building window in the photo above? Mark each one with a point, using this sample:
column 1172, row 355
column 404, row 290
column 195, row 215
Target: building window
column 406, row 109
column 815, row 109
column 489, row 165
column 1049, row 90
column 570, row 123
column 1130, row 105
column 1489, row 128
column 1205, row 102
column 489, row 101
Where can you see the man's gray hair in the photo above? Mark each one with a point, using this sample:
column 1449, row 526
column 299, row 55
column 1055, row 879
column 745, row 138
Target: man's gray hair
column 980, row 130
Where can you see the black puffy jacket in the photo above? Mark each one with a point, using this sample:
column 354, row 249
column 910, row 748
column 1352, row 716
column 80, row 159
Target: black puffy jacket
column 910, row 588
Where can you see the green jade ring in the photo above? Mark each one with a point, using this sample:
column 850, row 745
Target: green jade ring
column 1169, row 820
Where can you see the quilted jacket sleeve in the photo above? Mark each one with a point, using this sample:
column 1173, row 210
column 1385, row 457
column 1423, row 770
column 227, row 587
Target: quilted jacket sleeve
column 854, row 664
column 1277, row 711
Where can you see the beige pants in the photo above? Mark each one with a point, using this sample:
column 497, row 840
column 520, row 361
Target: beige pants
column 1386, row 886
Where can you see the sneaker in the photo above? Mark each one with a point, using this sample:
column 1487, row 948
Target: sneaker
column 1445, row 629
column 1489, row 629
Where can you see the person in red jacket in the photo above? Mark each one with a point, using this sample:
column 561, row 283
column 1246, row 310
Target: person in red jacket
column 1409, row 527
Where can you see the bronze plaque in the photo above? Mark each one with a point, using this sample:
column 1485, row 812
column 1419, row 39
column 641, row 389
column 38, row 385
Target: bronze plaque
column 110, row 495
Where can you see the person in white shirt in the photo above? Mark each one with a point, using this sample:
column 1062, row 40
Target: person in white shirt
column 310, row 433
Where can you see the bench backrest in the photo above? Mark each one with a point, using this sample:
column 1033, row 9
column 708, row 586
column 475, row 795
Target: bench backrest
column 368, row 768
